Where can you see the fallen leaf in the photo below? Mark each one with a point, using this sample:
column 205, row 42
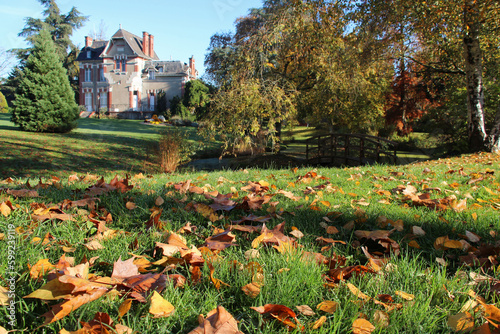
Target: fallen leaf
column 160, row 307
column 124, row 307
column 328, row 306
column 381, row 318
column 305, row 310
column 252, row 290
column 218, row 321
column 405, row 295
column 362, row 326
column 461, row 322
column 318, row 323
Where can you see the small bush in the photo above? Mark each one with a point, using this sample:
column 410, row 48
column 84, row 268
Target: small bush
column 173, row 149
column 4, row 107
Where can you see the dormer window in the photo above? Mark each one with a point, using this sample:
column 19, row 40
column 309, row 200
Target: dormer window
column 89, row 54
column 151, row 74
column 160, row 70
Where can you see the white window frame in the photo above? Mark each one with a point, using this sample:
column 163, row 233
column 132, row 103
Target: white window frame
column 152, row 75
column 103, row 100
column 88, row 101
column 88, row 75
column 101, row 74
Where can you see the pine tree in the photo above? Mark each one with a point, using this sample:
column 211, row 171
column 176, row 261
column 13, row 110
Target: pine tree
column 44, row 100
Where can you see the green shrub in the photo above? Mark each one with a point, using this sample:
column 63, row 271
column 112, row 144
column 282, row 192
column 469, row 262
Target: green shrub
column 4, row 107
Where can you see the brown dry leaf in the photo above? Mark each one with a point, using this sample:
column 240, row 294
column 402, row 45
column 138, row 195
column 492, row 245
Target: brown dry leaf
column 305, row 310
column 461, row 322
column 296, row 233
column 318, row 323
column 252, row 290
column 418, row 231
column 381, row 318
column 93, row 245
column 279, row 312
column 328, row 306
column 473, row 237
column 160, row 307
column 22, row 193
column 491, row 313
column 414, row 244
column 124, row 269
column 61, row 310
column 218, row 321
column 130, row 205
column 332, row 230
column 362, row 326
column 159, row 201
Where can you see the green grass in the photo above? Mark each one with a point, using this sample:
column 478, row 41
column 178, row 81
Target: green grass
column 96, row 146
column 289, row 280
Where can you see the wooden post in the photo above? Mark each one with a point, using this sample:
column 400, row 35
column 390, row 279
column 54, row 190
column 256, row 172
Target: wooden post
column 346, row 149
column 362, row 150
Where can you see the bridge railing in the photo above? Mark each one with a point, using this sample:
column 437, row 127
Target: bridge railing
column 350, row 149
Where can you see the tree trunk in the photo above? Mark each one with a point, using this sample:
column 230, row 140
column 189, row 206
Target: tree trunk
column 494, row 137
column 474, row 78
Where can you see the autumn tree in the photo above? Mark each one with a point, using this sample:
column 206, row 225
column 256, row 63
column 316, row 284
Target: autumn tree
column 4, row 107
column 44, row 100
column 290, row 58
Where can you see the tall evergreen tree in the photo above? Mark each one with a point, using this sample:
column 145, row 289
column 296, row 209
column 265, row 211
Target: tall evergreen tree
column 60, row 26
column 44, row 100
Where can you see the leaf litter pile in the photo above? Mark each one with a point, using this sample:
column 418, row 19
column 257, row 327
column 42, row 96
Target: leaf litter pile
column 388, row 248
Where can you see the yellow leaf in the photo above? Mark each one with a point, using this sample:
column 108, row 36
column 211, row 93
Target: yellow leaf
column 352, row 194
column 326, row 203
column 252, row 290
column 355, row 291
column 461, row 322
column 257, row 241
column 405, row 295
column 328, row 306
column 124, row 307
column 4, row 208
column 264, row 183
column 474, row 216
column 489, row 191
column 362, row 326
column 318, row 323
column 160, row 307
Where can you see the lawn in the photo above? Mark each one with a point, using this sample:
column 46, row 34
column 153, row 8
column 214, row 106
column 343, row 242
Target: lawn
column 384, row 249
column 96, row 146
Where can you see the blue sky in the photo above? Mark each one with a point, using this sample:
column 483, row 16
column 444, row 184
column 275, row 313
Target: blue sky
column 181, row 28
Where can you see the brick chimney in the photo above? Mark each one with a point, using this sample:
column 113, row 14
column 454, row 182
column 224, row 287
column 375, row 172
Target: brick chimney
column 151, row 46
column 88, row 41
column 145, row 43
column 192, row 67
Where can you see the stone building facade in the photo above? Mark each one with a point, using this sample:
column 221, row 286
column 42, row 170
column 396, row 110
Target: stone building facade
column 124, row 75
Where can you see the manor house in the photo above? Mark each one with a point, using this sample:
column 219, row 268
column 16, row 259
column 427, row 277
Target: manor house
column 124, row 75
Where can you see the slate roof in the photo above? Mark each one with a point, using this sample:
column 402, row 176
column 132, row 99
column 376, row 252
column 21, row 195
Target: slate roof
column 95, row 49
column 134, row 41
column 170, row 68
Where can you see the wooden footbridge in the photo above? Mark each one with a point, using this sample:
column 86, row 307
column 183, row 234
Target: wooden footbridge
column 339, row 149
